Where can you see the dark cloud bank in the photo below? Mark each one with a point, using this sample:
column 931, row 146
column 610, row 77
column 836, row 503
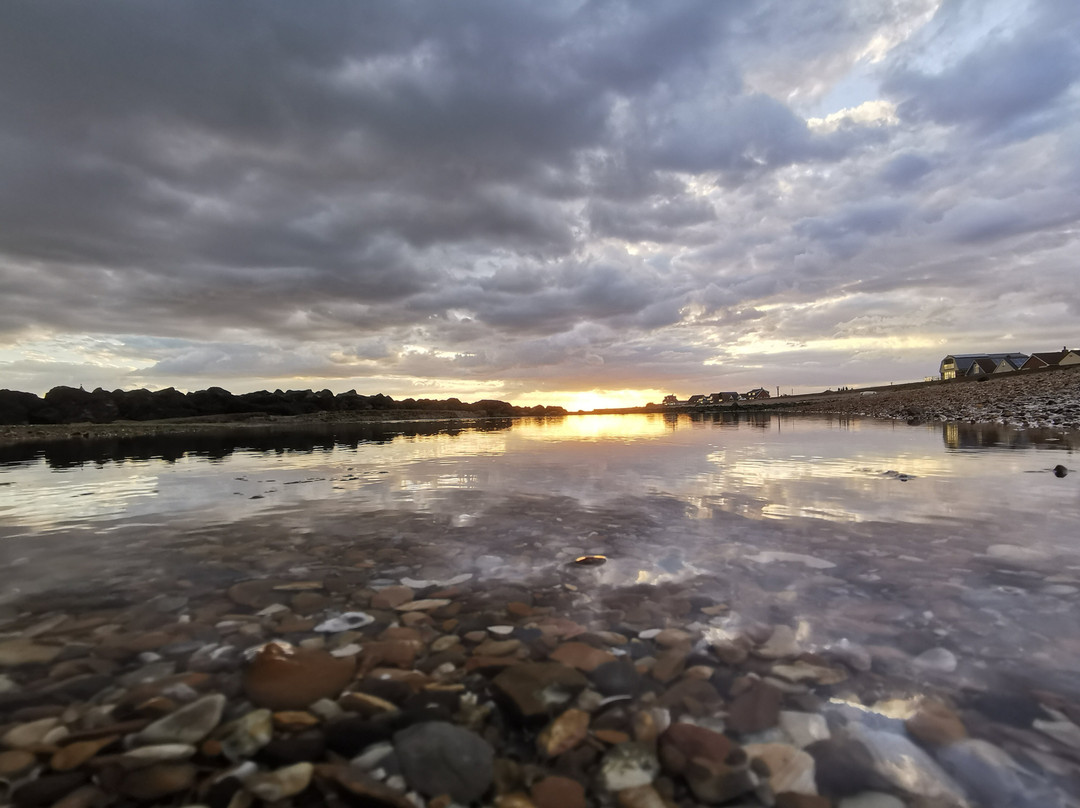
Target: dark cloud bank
column 531, row 197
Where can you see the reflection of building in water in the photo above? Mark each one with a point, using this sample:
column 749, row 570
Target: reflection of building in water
column 995, row 436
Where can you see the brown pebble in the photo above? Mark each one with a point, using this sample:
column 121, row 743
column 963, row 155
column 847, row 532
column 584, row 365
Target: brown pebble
column 581, row 656
column 83, row 797
column 285, row 678
column 497, row 648
column 514, row 800
column 755, row 709
column 611, row 737
column 670, row 664
column 158, row 780
column 640, row 797
column 366, row 704
column 391, row 597
column 558, row 792
column 75, row 754
column 519, row 609
column 294, row 720
column 14, row 763
column 564, row 733
column 934, row 724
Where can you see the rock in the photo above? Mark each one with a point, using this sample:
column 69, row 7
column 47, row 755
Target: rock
column 366, row 704
column 616, row 678
column 539, row 688
column 21, row 651
column 782, row 643
column 162, row 753
column 188, row 725
column 640, row 797
column 1060, row 470
column 281, row 677
column 803, row 728
column 15, row 763
column 907, row 767
column 350, row 621
column 793, row 799
column 564, row 733
column 362, row 789
column 159, row 780
column 669, row 664
column 47, row 789
column 682, row 743
column 851, row 654
column 790, row 769
column 245, row 736
column 391, row 597
column 936, row 660
column 29, row 734
column 83, row 797
column 497, row 648
column 802, row 671
column 872, row 799
column 934, row 724
column 581, row 656
column 844, row 766
column 440, row 758
column 281, row 783
column 75, row 754
column 713, row 782
column 993, row 778
column 427, row 605
column 558, row 792
column 628, row 765
column 755, row 709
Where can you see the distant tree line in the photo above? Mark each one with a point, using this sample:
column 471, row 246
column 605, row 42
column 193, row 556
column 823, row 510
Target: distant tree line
column 70, row 405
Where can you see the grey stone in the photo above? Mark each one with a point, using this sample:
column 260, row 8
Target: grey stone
column 190, row 724
column 439, row 758
column 993, row 778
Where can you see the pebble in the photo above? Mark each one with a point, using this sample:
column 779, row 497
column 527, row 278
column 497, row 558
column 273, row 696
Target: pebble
column 782, row 643
column 29, row 734
column 872, row 799
column 161, row 753
column 159, row 780
column 564, row 733
column 245, row 736
column 581, row 656
column 934, row 724
column 790, row 769
column 188, row 725
column 281, row 677
column 628, row 765
column 75, row 754
column 803, row 728
column 281, row 783
column 427, row 605
column 349, row 621
column 936, row 660
column 15, row 763
column 558, row 792
column 440, row 758
column 539, row 688
column 14, row 653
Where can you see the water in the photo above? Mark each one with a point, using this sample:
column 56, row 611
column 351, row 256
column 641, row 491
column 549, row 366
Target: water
column 898, row 537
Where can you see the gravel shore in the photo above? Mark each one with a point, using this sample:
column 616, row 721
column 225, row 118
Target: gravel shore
column 1021, row 399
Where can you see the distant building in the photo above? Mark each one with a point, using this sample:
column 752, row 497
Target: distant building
column 1043, row 360
column 1010, row 363
column 698, row 400
column 954, row 366
column 671, row 401
column 757, row 393
column 723, row 398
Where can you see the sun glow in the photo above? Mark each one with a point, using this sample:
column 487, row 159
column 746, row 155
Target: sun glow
column 575, row 400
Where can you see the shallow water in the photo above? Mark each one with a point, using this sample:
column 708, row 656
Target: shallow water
column 903, row 538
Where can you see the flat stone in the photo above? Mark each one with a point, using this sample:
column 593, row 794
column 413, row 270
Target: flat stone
column 935, row 724
column 801, row 671
column 497, row 648
column 581, row 656
column 755, row 709
column 242, row 738
column 159, row 780
column 670, row 637
column 75, row 754
column 804, row 728
column 361, row 788
column 391, row 597
column 682, row 743
column 427, row 605
column 143, row 756
column 539, row 688
column 281, row 677
column 349, row 621
column 365, row 704
column 640, row 797
column 15, row 763
column 281, row 783
column 790, row 769
column 21, row 651
column 190, row 724
column 993, row 777
column 29, row 734
column 936, row 660
column 628, row 765
column 782, row 643
column 669, row 664
column 558, row 792
column 440, row 758
column 564, row 733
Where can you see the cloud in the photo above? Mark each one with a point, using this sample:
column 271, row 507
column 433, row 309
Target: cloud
column 520, row 196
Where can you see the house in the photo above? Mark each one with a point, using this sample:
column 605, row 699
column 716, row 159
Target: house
column 671, row 401
column 954, row 366
column 1010, row 363
column 723, row 398
column 1043, row 360
column 697, row 401
column 757, row 393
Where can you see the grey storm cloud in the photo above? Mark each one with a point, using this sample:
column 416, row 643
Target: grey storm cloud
column 572, row 193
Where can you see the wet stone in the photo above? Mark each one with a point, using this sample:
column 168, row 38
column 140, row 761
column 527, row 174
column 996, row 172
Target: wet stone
column 581, row 656
column 628, row 765
column 440, row 758
column 540, row 688
column 935, row 724
column 284, row 678
column 755, row 709
column 682, row 743
column 790, row 769
column 47, row 789
column 616, row 678
column 281, row 783
column 158, row 780
column 189, row 724
column 564, row 733
column 558, row 792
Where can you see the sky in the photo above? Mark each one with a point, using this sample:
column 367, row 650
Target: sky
column 569, row 202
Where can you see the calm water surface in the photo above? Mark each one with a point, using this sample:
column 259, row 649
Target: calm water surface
column 892, row 535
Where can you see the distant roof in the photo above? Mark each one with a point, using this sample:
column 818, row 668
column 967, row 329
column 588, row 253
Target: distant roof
column 1051, row 358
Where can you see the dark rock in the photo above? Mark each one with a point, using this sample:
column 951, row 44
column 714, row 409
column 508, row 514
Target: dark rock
column 616, row 678
column 844, row 766
column 286, row 750
column 351, row 735
column 439, row 758
column 1060, row 471
column 47, row 789
column 755, row 709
